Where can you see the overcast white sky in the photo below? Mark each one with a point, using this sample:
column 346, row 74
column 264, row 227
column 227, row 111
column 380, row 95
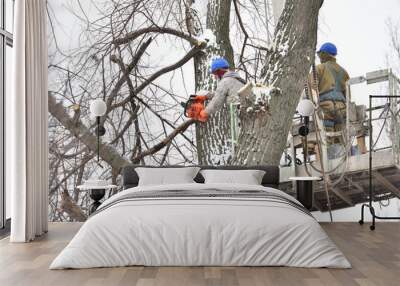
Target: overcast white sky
column 359, row 29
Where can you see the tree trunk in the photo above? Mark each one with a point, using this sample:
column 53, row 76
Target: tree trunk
column 264, row 133
column 213, row 137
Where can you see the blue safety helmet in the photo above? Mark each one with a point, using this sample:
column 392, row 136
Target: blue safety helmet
column 219, row 63
column 328, row 48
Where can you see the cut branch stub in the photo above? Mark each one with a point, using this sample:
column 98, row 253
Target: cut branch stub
column 255, row 99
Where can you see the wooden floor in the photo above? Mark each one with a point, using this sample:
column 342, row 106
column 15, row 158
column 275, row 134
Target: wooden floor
column 375, row 257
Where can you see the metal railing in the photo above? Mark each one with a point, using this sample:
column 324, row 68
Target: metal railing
column 391, row 120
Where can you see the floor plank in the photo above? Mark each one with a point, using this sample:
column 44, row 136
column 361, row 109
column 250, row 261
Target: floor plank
column 375, row 257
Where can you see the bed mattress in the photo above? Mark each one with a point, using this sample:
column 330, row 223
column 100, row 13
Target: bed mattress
column 201, row 225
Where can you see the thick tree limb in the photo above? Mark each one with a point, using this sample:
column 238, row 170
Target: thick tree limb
column 192, row 20
column 68, row 206
column 81, row 132
column 107, row 152
column 160, row 30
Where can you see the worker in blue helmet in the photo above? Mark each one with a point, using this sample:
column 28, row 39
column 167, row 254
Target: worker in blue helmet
column 219, row 66
column 328, row 48
column 330, row 82
column 229, row 82
column 331, row 76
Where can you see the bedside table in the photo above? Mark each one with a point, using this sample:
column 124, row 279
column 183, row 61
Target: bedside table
column 304, row 187
column 96, row 193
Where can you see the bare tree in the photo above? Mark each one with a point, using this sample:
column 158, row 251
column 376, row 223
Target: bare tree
column 117, row 67
column 114, row 60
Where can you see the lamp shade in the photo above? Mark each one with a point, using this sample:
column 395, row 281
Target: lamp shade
column 305, row 107
column 98, row 107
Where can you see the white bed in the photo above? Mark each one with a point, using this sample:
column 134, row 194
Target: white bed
column 259, row 226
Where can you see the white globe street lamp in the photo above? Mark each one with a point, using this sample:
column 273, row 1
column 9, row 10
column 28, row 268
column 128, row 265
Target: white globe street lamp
column 305, row 107
column 98, row 108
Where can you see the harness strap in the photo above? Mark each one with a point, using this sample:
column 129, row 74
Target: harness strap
column 237, row 77
column 338, row 76
column 240, row 80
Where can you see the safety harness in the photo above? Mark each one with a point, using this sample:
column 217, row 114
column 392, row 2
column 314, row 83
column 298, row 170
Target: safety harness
column 234, row 118
column 334, row 95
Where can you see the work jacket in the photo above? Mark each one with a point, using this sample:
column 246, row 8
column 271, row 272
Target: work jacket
column 227, row 89
column 326, row 73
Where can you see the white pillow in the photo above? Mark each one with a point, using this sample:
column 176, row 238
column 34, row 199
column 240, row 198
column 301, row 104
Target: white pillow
column 248, row 177
column 163, row 176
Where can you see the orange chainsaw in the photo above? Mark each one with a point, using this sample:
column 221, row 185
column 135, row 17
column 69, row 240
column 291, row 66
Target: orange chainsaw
column 194, row 106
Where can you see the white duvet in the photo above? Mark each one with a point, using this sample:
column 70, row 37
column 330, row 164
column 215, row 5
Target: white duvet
column 200, row 231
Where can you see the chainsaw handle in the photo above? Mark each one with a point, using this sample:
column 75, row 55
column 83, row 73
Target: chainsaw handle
column 188, row 102
column 185, row 108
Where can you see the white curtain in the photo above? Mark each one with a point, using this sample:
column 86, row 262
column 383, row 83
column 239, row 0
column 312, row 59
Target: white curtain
column 26, row 143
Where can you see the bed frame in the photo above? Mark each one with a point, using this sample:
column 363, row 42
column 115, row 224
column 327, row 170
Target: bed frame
column 271, row 178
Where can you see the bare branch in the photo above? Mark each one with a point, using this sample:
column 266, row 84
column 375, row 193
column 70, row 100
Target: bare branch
column 163, row 143
column 160, row 30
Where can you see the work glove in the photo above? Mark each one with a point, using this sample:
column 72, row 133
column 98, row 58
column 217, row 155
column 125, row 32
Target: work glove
column 203, row 116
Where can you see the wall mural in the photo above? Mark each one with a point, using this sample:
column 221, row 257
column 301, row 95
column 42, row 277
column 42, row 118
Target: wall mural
column 143, row 58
